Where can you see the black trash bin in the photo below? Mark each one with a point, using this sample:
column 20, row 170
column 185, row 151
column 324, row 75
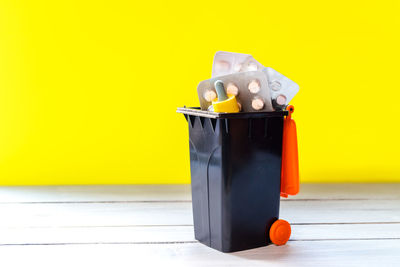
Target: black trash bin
column 235, row 163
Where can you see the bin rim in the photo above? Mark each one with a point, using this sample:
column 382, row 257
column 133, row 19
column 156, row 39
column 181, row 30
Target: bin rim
column 196, row 111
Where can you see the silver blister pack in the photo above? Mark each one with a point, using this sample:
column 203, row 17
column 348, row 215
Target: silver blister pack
column 226, row 63
column 282, row 88
column 250, row 88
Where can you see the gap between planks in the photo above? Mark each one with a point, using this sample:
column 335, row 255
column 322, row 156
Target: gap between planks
column 179, row 201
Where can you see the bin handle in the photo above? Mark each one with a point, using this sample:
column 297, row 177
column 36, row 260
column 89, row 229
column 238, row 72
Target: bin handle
column 290, row 163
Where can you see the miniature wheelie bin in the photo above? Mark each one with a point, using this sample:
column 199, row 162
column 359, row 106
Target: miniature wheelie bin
column 238, row 176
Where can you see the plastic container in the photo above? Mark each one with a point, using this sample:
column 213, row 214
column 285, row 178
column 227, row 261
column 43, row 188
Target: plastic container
column 251, row 87
column 235, row 162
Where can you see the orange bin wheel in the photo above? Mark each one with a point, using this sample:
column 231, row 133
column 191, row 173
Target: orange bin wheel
column 279, row 233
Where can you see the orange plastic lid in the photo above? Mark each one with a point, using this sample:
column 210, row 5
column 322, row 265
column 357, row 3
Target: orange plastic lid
column 290, row 160
column 279, row 233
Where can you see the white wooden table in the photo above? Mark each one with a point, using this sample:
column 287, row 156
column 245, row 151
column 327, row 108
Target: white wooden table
column 332, row 225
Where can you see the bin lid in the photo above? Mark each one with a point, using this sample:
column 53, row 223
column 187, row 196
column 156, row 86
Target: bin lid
column 196, row 111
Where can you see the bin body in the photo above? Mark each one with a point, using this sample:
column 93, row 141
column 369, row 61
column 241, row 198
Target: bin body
column 235, row 163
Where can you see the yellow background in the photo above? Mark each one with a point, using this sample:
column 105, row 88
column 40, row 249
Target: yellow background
column 88, row 89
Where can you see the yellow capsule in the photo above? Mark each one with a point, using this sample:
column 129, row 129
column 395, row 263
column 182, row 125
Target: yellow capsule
column 229, row 105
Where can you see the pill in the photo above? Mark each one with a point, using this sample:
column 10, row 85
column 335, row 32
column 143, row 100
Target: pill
column 238, row 67
column 222, row 65
column 257, row 104
column 281, row 100
column 275, row 85
column 254, row 86
column 252, row 67
column 210, row 95
column 232, row 89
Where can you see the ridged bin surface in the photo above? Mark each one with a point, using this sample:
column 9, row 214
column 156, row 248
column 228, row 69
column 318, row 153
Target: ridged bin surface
column 235, row 167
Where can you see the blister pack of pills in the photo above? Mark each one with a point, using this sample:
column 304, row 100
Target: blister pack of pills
column 282, row 88
column 228, row 62
column 250, row 88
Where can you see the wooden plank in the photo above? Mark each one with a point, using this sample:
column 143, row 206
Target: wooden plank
column 126, row 193
column 180, row 213
column 348, row 191
column 348, row 211
column 345, row 231
column 165, row 234
column 301, row 253
column 333, row 225
column 84, row 235
column 94, row 193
